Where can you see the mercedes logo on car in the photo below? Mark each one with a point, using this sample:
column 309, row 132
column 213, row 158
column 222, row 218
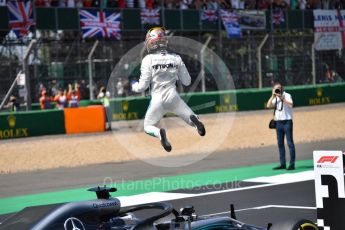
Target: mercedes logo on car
column 73, row 223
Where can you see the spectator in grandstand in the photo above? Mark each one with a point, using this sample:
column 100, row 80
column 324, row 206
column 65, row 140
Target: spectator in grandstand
column 82, row 89
column 127, row 87
column 70, row 3
column 263, row 4
column 73, row 99
column 62, row 3
column 150, row 4
column 54, row 3
column 185, row 4
column 41, row 87
column 44, row 100
column 142, row 4
column 87, row 3
column 13, row 105
column 198, row 4
column 279, row 4
column 293, row 4
column 282, row 102
column 119, row 88
column 77, row 90
column 79, row 3
column 302, row 4
column 250, row 4
column 315, row 4
column 54, row 88
column 41, row 3
column 121, row 4
column 96, row 3
column 73, row 96
column 331, row 76
column 237, row 4
column 130, row 3
column 169, row 4
column 74, row 88
column 104, row 97
column 213, row 4
column 101, row 93
column 61, row 99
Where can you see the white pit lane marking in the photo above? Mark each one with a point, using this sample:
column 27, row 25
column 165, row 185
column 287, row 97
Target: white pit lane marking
column 287, row 177
column 263, row 207
column 165, row 196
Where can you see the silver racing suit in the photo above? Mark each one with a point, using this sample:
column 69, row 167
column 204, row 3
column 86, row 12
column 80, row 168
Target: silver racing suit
column 161, row 71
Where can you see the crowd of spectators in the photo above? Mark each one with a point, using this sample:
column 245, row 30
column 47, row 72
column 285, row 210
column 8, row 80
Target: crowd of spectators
column 63, row 98
column 194, row 4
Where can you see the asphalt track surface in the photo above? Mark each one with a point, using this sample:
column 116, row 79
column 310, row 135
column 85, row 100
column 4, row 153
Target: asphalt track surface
column 257, row 206
column 65, row 178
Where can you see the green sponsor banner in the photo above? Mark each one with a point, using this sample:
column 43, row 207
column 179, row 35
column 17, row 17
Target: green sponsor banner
column 33, row 123
column 130, row 108
column 233, row 100
column 45, row 122
column 317, row 95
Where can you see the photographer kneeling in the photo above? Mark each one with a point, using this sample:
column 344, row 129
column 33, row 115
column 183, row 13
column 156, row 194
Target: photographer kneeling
column 282, row 102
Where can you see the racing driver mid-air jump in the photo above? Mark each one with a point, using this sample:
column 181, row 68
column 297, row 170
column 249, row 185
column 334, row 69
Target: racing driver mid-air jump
column 160, row 70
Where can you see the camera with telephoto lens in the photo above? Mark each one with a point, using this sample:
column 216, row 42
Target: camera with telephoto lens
column 277, row 91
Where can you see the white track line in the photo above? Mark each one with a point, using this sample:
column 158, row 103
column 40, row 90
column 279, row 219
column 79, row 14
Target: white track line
column 264, row 207
column 166, row 196
column 287, row 177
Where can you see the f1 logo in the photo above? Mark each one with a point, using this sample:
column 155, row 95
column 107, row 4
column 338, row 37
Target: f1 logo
column 330, row 159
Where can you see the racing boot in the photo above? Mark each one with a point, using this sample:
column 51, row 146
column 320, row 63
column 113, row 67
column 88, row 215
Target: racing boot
column 199, row 126
column 164, row 140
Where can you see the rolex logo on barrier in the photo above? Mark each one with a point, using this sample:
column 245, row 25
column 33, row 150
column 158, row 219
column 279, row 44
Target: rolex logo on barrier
column 227, row 99
column 125, row 106
column 226, row 106
column 12, row 131
column 320, row 99
column 125, row 115
column 319, row 92
column 11, row 121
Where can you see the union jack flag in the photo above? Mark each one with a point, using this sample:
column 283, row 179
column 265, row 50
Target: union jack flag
column 101, row 24
column 150, row 16
column 20, row 17
column 209, row 15
column 231, row 23
column 278, row 17
column 228, row 16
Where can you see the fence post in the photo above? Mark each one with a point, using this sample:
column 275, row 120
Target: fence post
column 9, row 91
column 202, row 61
column 259, row 65
column 26, row 72
column 90, row 69
column 313, row 58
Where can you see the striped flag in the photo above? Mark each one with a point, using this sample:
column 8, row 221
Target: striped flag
column 100, row 24
column 209, row 15
column 150, row 16
column 20, row 17
column 278, row 17
column 231, row 23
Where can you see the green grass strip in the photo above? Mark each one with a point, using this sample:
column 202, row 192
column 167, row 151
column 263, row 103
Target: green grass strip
column 157, row 184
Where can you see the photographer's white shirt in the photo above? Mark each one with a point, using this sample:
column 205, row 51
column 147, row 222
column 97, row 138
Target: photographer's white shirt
column 283, row 111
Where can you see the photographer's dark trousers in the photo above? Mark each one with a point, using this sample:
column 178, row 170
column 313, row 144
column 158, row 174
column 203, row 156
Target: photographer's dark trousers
column 285, row 128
